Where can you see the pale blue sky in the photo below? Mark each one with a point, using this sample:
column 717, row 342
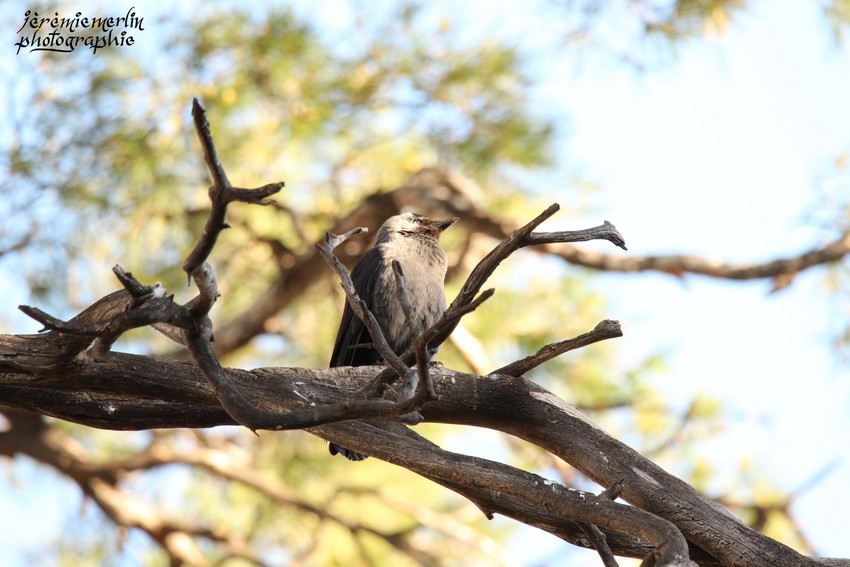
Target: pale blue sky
column 719, row 152
column 720, row 155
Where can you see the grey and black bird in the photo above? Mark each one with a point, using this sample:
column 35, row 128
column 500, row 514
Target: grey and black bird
column 414, row 241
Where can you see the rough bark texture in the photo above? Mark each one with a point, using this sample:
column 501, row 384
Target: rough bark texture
column 129, row 392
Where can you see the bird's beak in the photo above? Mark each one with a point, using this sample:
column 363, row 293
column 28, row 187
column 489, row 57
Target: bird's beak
column 444, row 224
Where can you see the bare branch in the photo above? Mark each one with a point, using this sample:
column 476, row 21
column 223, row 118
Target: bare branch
column 522, row 237
column 613, row 491
column 423, row 388
column 205, row 280
column 222, row 193
column 447, row 321
column 134, row 287
column 51, row 323
column 682, row 264
column 485, row 268
column 97, row 327
column 600, row 544
column 404, row 297
column 202, row 126
column 605, row 231
column 606, row 329
column 597, row 536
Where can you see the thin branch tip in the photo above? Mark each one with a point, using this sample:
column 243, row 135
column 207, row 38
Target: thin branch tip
column 611, row 326
column 332, row 240
column 613, row 491
column 36, row 314
column 607, row 329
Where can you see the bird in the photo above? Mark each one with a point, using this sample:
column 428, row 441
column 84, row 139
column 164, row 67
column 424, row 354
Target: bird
column 414, row 241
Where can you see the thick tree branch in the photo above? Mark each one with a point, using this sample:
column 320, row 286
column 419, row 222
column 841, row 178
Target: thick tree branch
column 132, row 392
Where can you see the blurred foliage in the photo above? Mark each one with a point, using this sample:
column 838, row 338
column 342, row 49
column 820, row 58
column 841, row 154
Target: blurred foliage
column 692, row 18
column 838, row 14
column 335, row 122
column 101, row 165
column 640, row 33
column 831, row 211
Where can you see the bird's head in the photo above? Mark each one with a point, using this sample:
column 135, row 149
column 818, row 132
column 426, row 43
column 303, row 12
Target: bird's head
column 412, row 224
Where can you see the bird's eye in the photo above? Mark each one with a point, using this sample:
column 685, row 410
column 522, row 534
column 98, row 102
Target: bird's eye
column 417, row 220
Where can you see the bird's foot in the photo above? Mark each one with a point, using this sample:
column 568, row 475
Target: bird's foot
column 412, row 418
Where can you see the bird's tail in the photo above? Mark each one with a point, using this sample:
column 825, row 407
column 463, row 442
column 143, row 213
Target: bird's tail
column 347, row 453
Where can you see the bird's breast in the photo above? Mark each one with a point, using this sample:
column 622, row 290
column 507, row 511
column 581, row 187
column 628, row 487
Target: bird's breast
column 424, row 268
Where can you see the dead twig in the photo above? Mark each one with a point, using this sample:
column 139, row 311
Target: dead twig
column 520, row 238
column 222, row 193
column 597, row 536
column 606, row 329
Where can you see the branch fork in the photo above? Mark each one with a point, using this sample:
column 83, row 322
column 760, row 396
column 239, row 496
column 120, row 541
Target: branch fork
column 96, row 329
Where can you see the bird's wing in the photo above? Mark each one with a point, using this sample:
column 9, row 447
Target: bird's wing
column 352, row 331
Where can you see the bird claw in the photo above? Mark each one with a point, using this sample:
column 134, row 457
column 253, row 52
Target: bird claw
column 412, row 418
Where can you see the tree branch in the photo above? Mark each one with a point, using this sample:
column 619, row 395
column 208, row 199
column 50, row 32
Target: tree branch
column 141, row 393
column 70, row 374
column 520, row 238
column 222, row 193
column 606, row 329
column 423, row 388
column 440, row 192
column 597, row 536
column 28, row 434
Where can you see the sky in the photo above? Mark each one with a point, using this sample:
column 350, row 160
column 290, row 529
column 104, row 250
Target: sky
column 719, row 151
column 721, row 156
